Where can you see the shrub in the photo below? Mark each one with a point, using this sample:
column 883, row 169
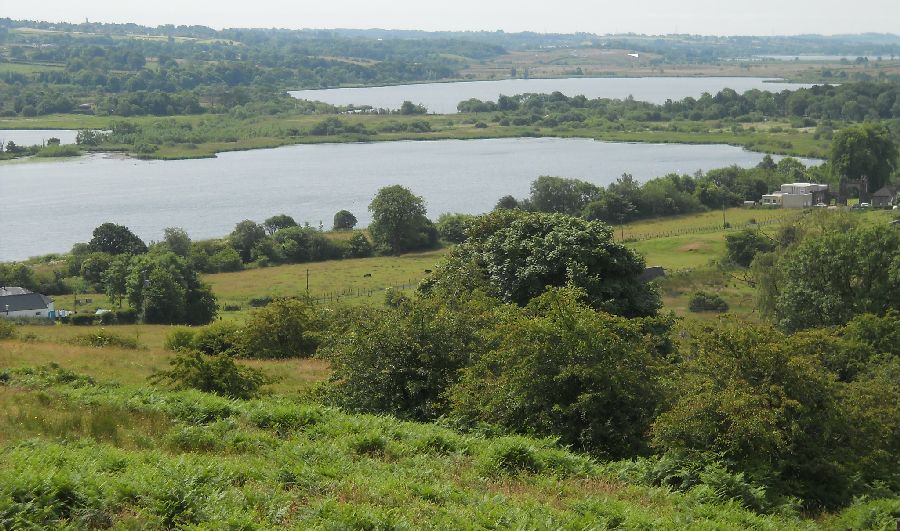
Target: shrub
column 286, row 328
column 558, row 368
column 703, row 301
column 101, row 338
column 402, row 360
column 452, row 227
column 358, row 246
column 82, row 319
column 7, row 330
column 180, row 339
column 126, row 316
column 220, row 337
column 752, row 394
column 212, row 374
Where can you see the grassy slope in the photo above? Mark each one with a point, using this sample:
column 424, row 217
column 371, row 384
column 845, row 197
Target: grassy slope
column 127, row 455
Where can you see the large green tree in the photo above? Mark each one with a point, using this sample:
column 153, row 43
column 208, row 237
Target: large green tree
column 864, row 150
column 166, row 289
column 515, row 256
column 245, row 236
column 116, row 239
column 398, row 221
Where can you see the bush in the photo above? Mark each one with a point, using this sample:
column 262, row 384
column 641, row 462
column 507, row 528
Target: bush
column 180, row 339
column 220, row 337
column 7, row 330
column 82, row 319
column 754, row 395
column 212, row 374
column 101, row 338
column 126, row 316
column 402, row 360
column 702, row 301
column 358, row 246
column 286, row 328
column 560, row 369
column 452, row 227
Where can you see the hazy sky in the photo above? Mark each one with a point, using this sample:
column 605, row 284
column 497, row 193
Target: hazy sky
column 718, row 17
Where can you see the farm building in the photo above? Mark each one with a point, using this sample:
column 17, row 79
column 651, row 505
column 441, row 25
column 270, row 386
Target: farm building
column 796, row 195
column 886, row 196
column 19, row 302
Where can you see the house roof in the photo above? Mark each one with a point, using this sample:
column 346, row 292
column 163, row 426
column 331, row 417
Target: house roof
column 12, row 290
column 24, row 302
column 889, row 191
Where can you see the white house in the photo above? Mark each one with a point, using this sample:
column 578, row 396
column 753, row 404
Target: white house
column 796, row 195
column 19, row 302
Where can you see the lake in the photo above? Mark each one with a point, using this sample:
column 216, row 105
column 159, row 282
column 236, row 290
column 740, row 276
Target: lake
column 31, row 137
column 442, row 98
column 48, row 206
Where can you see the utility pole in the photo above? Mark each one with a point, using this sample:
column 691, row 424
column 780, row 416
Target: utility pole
column 724, row 223
column 307, row 280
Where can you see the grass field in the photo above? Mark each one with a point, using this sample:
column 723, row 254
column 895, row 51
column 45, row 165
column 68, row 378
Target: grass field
column 122, row 454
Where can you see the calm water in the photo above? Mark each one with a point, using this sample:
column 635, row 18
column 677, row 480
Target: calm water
column 48, row 206
column 442, row 98
column 33, row 137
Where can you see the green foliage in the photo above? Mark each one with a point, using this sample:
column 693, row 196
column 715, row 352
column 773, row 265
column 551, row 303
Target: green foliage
column 93, row 268
column 765, row 402
column 558, row 368
column 220, row 337
column 452, row 227
column 180, row 339
column 305, row 244
column 168, row 290
column 245, row 236
column 285, row 328
column 177, row 241
column 828, row 279
column 278, row 222
column 358, row 246
column 7, row 330
column 116, row 239
column 881, row 334
column 402, row 360
column 344, row 220
column 212, row 374
column 866, row 150
column 703, row 301
column 516, row 256
column 398, row 221
column 102, row 338
column 741, row 247
column 518, row 455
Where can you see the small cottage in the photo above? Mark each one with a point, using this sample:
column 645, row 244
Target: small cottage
column 886, row 196
column 19, row 302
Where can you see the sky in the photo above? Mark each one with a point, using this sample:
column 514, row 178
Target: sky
column 708, row 17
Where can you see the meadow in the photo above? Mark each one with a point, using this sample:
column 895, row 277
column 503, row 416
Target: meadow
column 131, row 456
